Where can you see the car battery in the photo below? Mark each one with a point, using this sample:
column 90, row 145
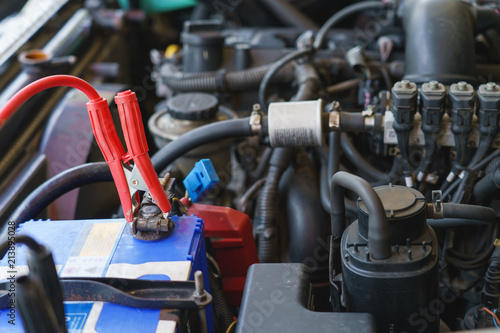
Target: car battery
column 106, row 248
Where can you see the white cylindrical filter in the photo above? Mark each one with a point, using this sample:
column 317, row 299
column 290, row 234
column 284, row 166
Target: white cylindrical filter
column 294, row 124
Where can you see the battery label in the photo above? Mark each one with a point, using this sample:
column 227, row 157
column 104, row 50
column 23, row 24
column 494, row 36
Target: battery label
column 76, row 315
column 93, row 250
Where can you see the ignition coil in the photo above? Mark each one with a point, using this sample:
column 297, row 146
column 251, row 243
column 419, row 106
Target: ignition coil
column 489, row 107
column 462, row 98
column 432, row 96
column 404, row 107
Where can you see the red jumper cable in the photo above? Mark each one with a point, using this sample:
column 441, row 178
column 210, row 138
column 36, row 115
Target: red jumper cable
column 143, row 175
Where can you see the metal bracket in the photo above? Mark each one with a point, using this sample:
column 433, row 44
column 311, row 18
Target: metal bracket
column 146, row 294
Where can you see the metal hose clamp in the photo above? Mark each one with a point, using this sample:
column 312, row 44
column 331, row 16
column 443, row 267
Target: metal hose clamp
column 256, row 119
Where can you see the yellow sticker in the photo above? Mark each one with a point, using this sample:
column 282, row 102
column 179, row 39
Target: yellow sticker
column 101, row 239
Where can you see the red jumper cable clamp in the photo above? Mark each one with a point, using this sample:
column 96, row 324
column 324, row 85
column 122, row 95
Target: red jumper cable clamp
column 143, row 175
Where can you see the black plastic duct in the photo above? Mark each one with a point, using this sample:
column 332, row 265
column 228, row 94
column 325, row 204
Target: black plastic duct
column 439, row 41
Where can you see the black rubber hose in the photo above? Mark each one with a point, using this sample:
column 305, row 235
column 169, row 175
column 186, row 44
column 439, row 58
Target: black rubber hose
column 468, row 212
column 276, row 67
column 305, row 93
column 358, row 160
column 267, row 205
column 328, row 172
column 355, row 122
column 250, row 194
column 488, row 128
column 55, row 187
column 455, row 223
column 308, row 81
column 342, row 14
column 233, row 128
column 350, row 205
column 228, row 112
column 492, row 166
column 308, row 223
column 487, row 186
column 431, row 151
column 462, row 194
column 379, row 234
column 489, row 161
column 484, row 144
column 246, row 79
column 333, row 153
column 262, row 167
column 343, row 86
column 352, row 121
column 288, row 14
column 450, row 188
column 221, row 307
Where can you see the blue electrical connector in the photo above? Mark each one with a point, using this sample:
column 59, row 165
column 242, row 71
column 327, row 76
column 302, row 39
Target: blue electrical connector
column 201, row 179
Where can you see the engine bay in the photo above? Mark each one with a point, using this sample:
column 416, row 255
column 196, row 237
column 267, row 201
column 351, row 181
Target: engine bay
column 249, row 166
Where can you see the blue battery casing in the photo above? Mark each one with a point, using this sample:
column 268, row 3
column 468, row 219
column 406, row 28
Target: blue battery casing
column 106, row 248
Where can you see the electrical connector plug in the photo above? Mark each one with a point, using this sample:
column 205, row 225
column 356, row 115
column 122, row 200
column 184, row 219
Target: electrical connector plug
column 201, row 179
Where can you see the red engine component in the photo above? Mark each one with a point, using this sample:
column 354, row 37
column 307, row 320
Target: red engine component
column 234, row 245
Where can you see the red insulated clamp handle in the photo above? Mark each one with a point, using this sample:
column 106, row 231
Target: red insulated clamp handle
column 131, row 120
column 104, row 130
column 135, row 138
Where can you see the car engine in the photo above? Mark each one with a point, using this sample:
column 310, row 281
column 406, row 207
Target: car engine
column 249, row 166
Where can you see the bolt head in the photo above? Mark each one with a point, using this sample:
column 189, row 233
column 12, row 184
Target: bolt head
column 164, row 225
column 433, row 85
column 148, row 211
column 491, row 86
column 135, row 182
column 405, row 83
column 462, row 85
